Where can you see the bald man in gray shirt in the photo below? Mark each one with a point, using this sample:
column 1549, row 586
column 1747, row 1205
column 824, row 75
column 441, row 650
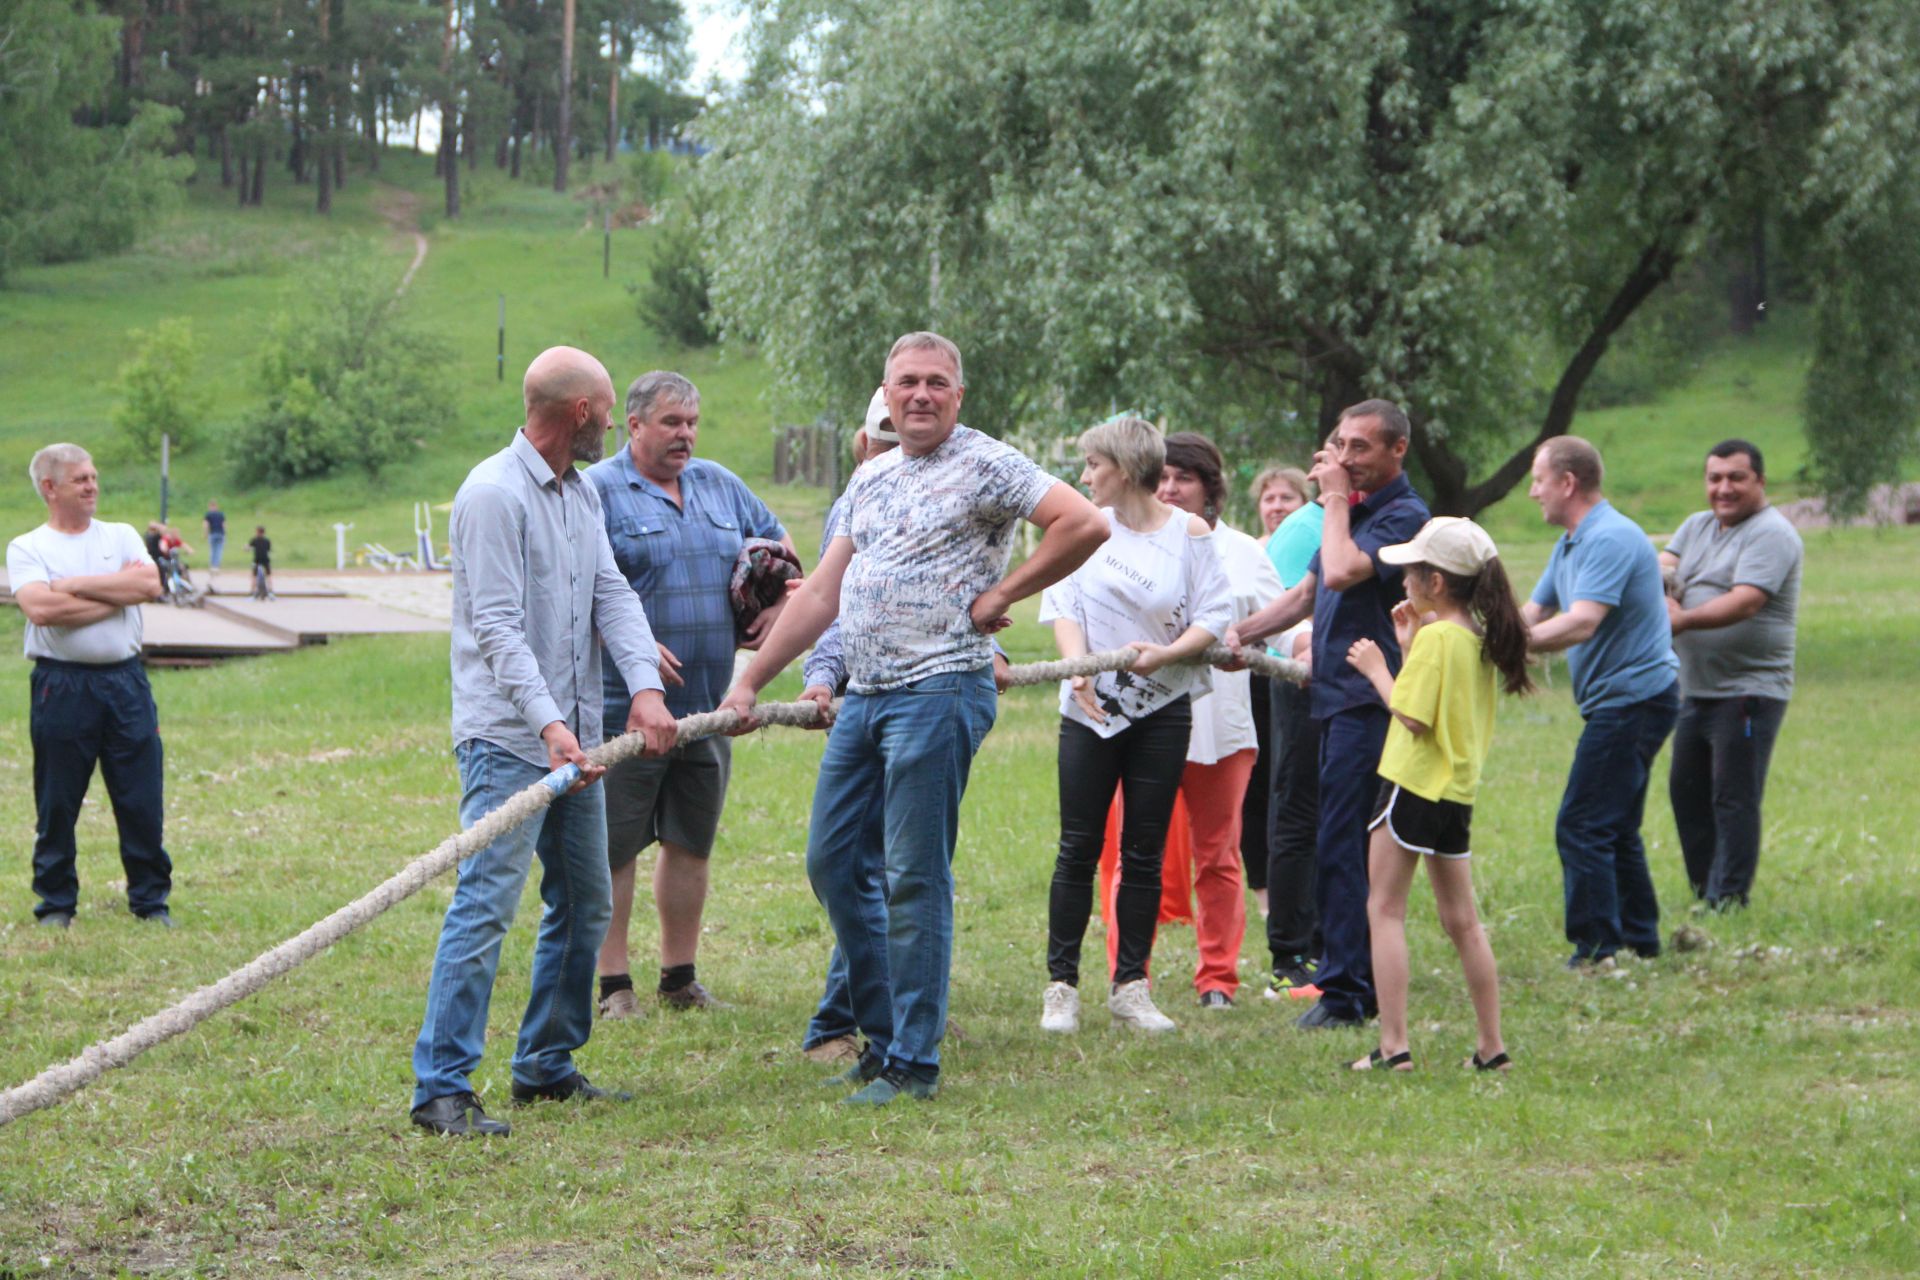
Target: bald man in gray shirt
column 533, row 578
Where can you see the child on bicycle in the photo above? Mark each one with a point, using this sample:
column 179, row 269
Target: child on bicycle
column 1462, row 635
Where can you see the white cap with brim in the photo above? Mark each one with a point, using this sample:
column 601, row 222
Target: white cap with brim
column 878, row 428
column 1453, row 543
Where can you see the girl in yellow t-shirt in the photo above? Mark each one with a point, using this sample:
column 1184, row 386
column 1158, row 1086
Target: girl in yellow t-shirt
column 1462, row 636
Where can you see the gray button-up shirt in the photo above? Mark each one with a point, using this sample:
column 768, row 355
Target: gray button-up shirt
column 533, row 577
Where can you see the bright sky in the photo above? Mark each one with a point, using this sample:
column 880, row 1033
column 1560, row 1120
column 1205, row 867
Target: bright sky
column 714, row 25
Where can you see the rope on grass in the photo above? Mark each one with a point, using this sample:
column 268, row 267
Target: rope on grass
column 59, row 1082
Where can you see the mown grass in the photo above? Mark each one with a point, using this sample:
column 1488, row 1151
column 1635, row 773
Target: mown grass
column 1743, row 1110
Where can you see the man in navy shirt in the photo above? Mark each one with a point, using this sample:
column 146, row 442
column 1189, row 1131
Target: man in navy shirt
column 676, row 523
column 1369, row 505
column 1602, row 601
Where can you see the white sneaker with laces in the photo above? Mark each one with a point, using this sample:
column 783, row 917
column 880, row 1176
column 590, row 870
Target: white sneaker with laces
column 1132, row 1006
column 1060, row 1009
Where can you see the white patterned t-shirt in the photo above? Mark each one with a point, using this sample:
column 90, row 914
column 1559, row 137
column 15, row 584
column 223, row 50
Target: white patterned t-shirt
column 930, row 533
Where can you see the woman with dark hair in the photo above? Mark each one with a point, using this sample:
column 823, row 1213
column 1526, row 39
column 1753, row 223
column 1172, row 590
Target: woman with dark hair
column 1223, row 747
column 1154, row 586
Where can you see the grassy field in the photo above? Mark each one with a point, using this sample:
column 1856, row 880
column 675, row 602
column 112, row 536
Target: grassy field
column 1743, row 1110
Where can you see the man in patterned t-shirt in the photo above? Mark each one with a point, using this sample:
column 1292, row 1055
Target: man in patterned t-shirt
column 916, row 577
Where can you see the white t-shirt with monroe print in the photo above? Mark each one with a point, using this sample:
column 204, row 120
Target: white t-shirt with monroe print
column 930, row 533
column 47, row 555
column 1141, row 586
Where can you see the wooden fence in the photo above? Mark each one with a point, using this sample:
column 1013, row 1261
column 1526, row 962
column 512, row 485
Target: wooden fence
column 812, row 455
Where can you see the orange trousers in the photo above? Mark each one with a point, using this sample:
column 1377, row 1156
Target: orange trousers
column 1200, row 878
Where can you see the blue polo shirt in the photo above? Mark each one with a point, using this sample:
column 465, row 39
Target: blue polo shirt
column 679, row 560
column 1608, row 560
column 1391, row 514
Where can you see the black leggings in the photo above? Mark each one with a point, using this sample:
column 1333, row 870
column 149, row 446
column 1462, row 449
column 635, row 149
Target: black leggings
column 1145, row 760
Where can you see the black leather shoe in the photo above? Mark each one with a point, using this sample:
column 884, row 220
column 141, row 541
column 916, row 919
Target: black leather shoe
column 1321, row 1018
column 574, row 1086
column 160, row 918
column 458, row 1115
column 56, row 920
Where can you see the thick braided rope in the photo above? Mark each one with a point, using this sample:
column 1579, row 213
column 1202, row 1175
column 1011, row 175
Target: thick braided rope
column 58, row 1082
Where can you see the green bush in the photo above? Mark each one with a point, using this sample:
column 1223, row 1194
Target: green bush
column 157, row 391
column 349, row 380
column 674, row 299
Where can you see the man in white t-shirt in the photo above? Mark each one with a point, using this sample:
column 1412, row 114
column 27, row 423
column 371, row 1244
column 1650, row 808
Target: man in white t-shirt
column 918, row 575
column 81, row 583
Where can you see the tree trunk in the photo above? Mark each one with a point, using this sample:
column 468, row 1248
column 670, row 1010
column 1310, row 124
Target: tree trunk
column 515, row 150
column 297, row 154
column 450, row 158
column 259, row 173
column 245, row 187
column 226, row 159
column 563, row 142
column 322, row 100
column 613, row 91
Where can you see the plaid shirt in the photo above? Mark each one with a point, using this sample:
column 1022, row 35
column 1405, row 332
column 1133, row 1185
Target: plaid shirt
column 679, row 560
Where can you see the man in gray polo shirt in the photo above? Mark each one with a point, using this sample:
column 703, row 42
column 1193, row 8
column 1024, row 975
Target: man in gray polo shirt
column 533, row 579
column 1736, row 571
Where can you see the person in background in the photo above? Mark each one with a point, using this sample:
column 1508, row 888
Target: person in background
column 80, row 582
column 262, row 547
column 1154, row 586
column 1222, row 748
column 1737, row 580
column 215, row 524
column 1602, row 601
column 1277, row 492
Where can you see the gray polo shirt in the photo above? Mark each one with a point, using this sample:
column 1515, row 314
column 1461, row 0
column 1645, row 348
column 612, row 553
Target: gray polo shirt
column 533, row 578
column 1754, row 657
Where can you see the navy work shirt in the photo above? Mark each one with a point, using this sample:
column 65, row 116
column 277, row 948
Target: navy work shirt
column 1391, row 514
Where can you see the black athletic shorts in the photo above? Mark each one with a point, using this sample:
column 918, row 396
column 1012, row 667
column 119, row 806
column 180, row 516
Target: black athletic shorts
column 1439, row 827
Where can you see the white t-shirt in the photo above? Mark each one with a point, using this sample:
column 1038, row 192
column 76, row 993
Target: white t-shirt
column 1223, row 719
column 1141, row 586
column 930, row 533
column 47, row 555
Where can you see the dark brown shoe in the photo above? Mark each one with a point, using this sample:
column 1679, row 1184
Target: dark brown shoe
column 692, row 996
column 458, row 1115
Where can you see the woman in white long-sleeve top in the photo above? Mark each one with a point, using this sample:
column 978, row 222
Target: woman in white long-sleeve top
column 1155, row 586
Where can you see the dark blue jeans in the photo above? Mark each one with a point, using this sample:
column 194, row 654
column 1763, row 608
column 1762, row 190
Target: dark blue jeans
column 1721, row 749
column 891, row 901
column 86, row 715
column 1350, row 744
column 1609, row 894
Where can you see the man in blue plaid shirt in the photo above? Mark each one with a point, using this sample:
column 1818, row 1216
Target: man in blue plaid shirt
column 676, row 523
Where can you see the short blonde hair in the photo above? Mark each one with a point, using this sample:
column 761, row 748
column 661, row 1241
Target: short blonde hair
column 1293, row 477
column 52, row 462
column 1132, row 444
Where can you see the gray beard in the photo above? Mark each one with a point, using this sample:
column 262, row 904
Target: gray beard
column 591, row 446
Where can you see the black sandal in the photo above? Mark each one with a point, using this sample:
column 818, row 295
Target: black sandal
column 1376, row 1060
column 1498, row 1062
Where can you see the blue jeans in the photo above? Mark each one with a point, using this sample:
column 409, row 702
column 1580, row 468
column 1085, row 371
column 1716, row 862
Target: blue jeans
column 1609, row 893
column 905, row 753
column 571, row 838
column 216, row 544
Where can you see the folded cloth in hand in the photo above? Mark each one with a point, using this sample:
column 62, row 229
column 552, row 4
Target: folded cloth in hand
column 760, row 577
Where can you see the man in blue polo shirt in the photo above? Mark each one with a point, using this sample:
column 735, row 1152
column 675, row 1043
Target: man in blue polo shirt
column 1351, row 593
column 1602, row 601
column 676, row 523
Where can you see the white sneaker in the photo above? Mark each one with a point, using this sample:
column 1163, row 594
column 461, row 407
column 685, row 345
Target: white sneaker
column 1132, row 1006
column 1060, row 1009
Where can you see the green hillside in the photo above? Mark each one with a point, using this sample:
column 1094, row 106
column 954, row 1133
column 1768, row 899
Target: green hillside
column 64, row 332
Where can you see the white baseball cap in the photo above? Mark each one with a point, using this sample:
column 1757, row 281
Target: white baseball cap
column 878, row 428
column 1453, row 543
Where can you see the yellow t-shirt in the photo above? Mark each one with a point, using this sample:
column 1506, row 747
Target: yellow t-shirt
column 1446, row 686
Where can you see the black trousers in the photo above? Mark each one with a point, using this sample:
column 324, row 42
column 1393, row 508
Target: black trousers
column 1253, row 808
column 1293, row 827
column 1721, row 750
column 82, row 716
column 1145, row 760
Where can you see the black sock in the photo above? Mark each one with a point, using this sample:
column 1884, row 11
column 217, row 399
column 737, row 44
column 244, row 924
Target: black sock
column 612, row 982
column 675, row 977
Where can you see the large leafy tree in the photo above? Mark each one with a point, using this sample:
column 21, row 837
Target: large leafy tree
column 71, row 186
column 1237, row 212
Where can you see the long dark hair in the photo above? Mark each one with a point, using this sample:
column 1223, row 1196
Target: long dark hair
column 1488, row 596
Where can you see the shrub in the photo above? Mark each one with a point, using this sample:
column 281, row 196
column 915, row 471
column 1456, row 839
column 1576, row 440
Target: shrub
column 348, row 378
column 157, row 391
column 674, row 298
